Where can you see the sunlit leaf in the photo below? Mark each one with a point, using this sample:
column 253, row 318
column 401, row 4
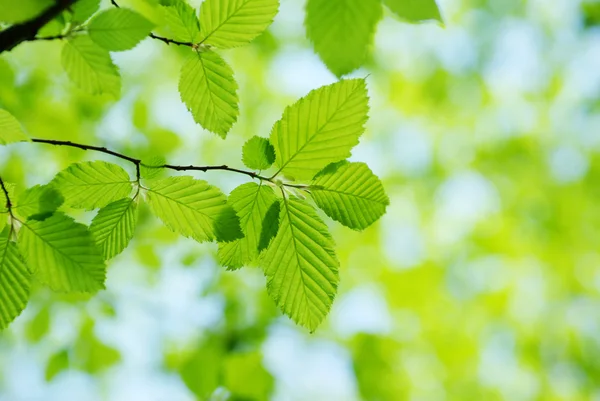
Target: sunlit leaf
column 82, row 10
column 114, row 225
column 119, row 29
column 15, row 281
column 181, row 21
column 415, row 10
column 38, row 202
column 258, row 153
column 10, row 129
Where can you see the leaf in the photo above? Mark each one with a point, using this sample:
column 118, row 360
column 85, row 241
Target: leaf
column 231, row 23
column 193, row 209
column 181, row 20
column 10, row 129
column 252, row 203
column 62, row 254
column 119, row 29
column 38, row 202
column 320, row 128
column 15, row 280
column 301, row 265
column 342, row 31
column 258, row 153
column 415, row 10
column 350, row 193
column 91, row 185
column 90, row 67
column 114, row 225
column 149, row 169
column 82, row 10
column 209, row 91
column 56, row 364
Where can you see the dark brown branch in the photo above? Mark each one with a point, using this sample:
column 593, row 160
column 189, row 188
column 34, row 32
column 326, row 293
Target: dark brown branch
column 25, row 31
column 8, row 202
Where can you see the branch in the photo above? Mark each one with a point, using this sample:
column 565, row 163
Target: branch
column 25, row 31
column 8, row 202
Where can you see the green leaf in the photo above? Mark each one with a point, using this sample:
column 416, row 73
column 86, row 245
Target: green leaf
column 10, row 129
column 82, row 10
column 301, row 265
column 350, row 193
column 38, row 202
column 193, row 209
column 415, row 10
column 209, row 91
column 149, row 169
column 181, row 21
column 62, row 254
column 90, row 67
column 342, row 31
column 119, row 29
column 246, row 377
column 56, row 364
column 253, row 204
column 91, row 185
column 231, row 23
column 15, row 280
column 114, row 225
column 320, row 128
column 258, row 153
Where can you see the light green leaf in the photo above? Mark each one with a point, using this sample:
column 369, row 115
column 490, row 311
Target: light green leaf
column 91, row 185
column 258, row 210
column 56, row 364
column 415, row 10
column 15, row 280
column 231, row 23
column 342, row 31
column 114, row 225
column 181, row 21
column 320, row 128
column 119, row 29
column 90, row 67
column 82, row 10
column 10, row 129
column 258, row 153
column 38, row 202
column 149, row 168
column 209, row 91
column 246, row 377
column 62, row 254
column 301, row 265
column 350, row 193
column 193, row 209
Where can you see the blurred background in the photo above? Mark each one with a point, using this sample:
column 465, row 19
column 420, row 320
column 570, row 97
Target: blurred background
column 482, row 282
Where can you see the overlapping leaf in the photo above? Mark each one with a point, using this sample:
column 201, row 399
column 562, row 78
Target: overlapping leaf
column 15, row 281
column 114, row 225
column 258, row 153
column 320, row 128
column 91, row 185
column 208, row 89
column 230, row 23
column 38, row 202
column 10, row 129
column 181, row 21
column 301, row 265
column 84, row 9
column 62, row 254
column 415, row 10
column 350, row 193
column 342, row 31
column 258, row 210
column 90, row 67
column 193, row 208
column 119, row 29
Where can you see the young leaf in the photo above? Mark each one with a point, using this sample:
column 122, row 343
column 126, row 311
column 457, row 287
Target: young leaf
column 91, row 185
column 10, row 129
column 181, row 20
column 119, row 29
column 415, row 10
column 15, row 281
column 258, row 153
column 350, row 193
column 231, row 23
column 62, row 254
column 208, row 89
column 320, row 128
column 90, row 67
column 252, row 203
column 342, row 31
column 38, row 202
column 114, row 225
column 194, row 209
column 301, row 265
column 82, row 10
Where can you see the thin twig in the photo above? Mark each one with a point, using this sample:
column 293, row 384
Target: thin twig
column 8, row 202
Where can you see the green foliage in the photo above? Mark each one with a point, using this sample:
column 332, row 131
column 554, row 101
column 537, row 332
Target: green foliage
column 181, row 21
column 209, row 91
column 231, row 23
column 258, row 153
column 38, row 202
column 320, row 128
column 15, row 281
column 114, row 225
column 301, row 265
column 415, row 10
column 82, row 10
column 342, row 31
column 57, row 363
column 118, row 29
column 10, row 129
